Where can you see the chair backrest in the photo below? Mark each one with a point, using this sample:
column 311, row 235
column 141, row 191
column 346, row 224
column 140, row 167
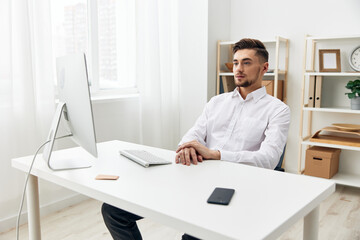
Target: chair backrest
column 278, row 167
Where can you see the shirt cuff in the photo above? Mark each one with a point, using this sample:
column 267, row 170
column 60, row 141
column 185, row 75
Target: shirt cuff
column 227, row 156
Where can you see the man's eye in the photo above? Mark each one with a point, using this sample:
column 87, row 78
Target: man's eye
column 235, row 64
column 246, row 63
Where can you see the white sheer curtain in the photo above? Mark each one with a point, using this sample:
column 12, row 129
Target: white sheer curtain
column 158, row 71
column 26, row 89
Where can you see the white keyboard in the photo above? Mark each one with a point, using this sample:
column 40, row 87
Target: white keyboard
column 144, row 158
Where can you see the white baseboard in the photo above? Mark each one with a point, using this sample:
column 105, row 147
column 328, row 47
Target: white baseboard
column 46, row 209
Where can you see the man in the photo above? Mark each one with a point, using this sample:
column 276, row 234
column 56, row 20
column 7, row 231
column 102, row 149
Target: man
column 244, row 126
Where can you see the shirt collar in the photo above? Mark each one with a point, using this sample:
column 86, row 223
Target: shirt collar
column 256, row 95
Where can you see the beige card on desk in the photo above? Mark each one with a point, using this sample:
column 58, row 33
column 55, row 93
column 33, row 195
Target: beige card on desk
column 106, row 177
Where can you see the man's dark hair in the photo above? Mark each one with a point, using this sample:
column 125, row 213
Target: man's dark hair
column 257, row 45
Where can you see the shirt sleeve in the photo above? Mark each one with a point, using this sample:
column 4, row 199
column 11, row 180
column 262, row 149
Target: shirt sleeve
column 198, row 131
column 271, row 148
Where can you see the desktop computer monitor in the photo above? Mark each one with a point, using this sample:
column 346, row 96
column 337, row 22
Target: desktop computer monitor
column 74, row 108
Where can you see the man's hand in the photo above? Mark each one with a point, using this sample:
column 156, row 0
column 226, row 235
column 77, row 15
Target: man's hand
column 201, row 150
column 188, row 155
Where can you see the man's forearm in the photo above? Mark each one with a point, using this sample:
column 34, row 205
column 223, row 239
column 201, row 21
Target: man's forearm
column 216, row 155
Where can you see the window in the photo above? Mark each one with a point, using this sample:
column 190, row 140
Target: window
column 105, row 31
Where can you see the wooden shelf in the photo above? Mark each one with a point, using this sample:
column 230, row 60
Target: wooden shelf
column 307, row 142
column 281, row 72
column 333, row 37
column 281, row 39
column 226, row 74
column 334, row 110
column 334, row 74
column 346, row 179
column 233, row 42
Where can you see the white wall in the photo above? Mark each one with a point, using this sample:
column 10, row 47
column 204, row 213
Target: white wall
column 193, row 17
column 293, row 19
column 219, row 29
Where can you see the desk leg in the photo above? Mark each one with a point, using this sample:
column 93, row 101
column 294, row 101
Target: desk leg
column 32, row 194
column 311, row 225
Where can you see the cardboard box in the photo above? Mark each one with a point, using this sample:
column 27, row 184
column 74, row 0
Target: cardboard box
column 322, row 162
column 269, row 85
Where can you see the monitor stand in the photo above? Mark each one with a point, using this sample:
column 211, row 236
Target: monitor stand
column 62, row 163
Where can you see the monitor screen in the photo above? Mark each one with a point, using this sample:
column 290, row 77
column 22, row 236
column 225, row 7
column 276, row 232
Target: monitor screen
column 74, row 108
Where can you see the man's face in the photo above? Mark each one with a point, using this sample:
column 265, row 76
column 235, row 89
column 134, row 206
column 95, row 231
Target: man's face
column 248, row 68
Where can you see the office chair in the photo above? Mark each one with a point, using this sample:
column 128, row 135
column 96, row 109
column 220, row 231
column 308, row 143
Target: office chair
column 278, row 167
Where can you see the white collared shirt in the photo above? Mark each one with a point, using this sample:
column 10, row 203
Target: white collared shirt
column 251, row 131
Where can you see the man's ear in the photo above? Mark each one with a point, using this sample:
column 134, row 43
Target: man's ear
column 265, row 67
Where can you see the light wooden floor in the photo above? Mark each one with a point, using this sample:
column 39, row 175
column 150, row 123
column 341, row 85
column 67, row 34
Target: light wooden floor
column 339, row 219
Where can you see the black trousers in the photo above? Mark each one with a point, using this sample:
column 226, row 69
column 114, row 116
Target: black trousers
column 122, row 224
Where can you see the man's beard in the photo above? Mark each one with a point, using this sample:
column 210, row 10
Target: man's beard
column 244, row 84
column 248, row 82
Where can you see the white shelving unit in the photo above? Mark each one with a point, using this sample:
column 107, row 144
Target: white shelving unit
column 224, row 56
column 348, row 179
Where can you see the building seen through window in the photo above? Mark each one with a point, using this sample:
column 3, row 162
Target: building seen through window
column 115, row 32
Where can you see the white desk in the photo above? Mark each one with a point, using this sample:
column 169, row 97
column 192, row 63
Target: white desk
column 265, row 203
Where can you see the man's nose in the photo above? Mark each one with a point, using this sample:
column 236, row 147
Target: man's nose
column 238, row 68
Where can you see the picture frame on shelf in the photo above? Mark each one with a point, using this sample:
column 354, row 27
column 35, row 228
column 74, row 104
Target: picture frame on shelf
column 329, row 60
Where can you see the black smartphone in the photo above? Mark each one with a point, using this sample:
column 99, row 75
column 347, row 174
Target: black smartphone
column 221, row 196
